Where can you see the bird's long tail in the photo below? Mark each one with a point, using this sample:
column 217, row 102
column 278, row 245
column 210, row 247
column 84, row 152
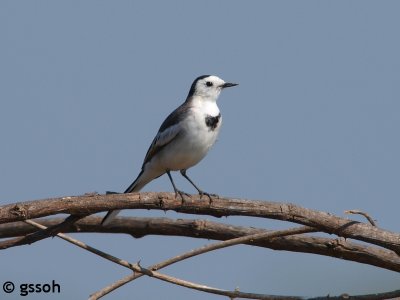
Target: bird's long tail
column 136, row 186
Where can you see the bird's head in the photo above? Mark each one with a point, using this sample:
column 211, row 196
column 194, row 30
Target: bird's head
column 208, row 87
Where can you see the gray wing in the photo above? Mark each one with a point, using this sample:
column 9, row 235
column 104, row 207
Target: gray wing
column 169, row 129
column 160, row 141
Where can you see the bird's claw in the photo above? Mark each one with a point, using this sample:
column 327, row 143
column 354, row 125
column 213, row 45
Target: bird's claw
column 181, row 193
column 201, row 193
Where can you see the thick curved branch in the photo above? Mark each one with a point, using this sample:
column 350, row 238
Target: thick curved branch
column 139, row 227
column 219, row 207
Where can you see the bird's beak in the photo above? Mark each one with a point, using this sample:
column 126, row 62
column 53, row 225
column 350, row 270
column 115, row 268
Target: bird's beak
column 228, row 84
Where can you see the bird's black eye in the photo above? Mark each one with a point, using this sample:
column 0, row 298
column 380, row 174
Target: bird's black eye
column 209, row 83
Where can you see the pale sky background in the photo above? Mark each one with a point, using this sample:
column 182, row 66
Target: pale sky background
column 315, row 121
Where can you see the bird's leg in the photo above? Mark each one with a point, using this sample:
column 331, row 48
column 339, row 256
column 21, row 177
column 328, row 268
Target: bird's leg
column 181, row 193
column 201, row 193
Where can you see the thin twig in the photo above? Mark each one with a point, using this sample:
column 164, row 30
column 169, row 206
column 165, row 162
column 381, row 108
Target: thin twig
column 205, row 249
column 41, row 234
column 359, row 212
column 378, row 296
column 137, row 268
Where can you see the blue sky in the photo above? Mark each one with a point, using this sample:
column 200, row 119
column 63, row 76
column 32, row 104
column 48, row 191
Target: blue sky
column 314, row 121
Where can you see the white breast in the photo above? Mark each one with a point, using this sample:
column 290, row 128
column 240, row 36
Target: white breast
column 194, row 141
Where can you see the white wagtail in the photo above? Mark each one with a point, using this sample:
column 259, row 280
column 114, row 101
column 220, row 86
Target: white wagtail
column 184, row 138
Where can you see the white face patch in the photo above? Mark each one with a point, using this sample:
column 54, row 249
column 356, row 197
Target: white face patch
column 209, row 87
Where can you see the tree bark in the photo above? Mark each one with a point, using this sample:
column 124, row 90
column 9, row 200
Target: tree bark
column 89, row 204
column 140, row 227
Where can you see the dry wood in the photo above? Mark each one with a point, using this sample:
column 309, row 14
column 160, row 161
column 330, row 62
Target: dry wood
column 359, row 212
column 139, row 227
column 151, row 273
column 35, row 236
column 219, row 207
column 290, row 239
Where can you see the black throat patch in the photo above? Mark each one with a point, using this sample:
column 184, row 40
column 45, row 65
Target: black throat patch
column 212, row 122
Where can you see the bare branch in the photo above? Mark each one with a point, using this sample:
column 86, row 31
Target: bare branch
column 379, row 296
column 115, row 285
column 205, row 249
column 139, row 227
column 137, row 268
column 41, row 234
column 231, row 294
column 230, row 235
column 359, row 212
column 220, row 207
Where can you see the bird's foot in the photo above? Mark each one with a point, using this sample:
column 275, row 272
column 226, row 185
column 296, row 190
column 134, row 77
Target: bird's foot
column 181, row 193
column 210, row 196
column 111, row 193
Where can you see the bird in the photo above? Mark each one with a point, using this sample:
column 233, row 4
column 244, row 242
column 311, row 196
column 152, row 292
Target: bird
column 184, row 138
